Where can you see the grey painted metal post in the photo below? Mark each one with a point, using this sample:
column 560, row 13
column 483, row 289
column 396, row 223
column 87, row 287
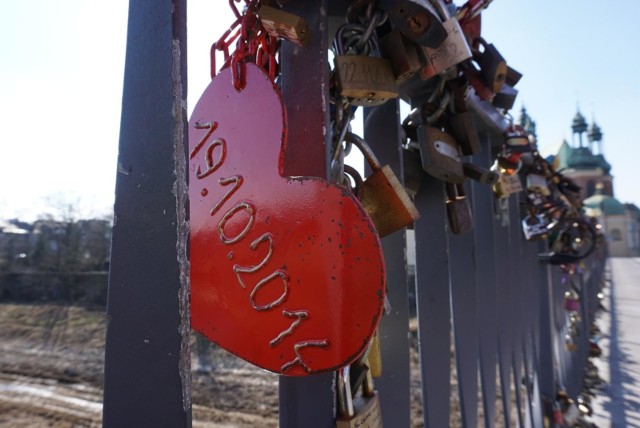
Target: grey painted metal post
column 503, row 286
column 309, row 401
column 147, row 360
column 382, row 132
column 433, row 302
column 487, row 294
column 464, row 303
column 548, row 341
column 516, row 317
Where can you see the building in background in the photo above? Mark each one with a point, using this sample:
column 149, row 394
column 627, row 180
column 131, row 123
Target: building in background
column 583, row 161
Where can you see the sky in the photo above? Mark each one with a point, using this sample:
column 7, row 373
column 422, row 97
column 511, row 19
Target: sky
column 62, row 67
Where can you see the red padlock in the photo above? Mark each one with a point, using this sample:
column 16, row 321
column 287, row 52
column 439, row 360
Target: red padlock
column 286, row 272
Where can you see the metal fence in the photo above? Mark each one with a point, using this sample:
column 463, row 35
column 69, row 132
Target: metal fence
column 483, row 294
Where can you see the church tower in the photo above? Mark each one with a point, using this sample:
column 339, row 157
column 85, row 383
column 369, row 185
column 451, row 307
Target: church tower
column 580, row 163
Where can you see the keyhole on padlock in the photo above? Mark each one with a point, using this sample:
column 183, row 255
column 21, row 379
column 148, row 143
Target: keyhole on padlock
column 414, row 23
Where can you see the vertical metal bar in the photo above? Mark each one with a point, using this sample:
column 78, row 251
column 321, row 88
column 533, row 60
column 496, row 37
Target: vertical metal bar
column 487, row 293
column 433, row 302
column 382, row 132
column 310, row 401
column 547, row 341
column 515, row 268
column 464, row 299
column 147, row 372
column 305, row 93
column 503, row 300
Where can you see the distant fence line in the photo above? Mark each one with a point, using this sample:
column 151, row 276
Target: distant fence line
column 85, row 288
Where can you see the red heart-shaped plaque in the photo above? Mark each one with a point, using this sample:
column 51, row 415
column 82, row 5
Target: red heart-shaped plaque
column 286, row 272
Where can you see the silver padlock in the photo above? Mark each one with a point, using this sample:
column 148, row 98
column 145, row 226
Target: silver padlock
column 538, row 183
column 451, row 52
column 534, row 227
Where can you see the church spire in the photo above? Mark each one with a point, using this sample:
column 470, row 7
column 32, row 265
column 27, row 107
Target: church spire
column 579, row 126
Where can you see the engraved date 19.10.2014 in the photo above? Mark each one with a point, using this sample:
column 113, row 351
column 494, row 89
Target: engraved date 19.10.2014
column 214, row 156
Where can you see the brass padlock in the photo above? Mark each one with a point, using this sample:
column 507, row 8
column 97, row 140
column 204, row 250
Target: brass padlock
column 361, row 412
column 458, row 209
column 419, row 21
column 374, row 356
column 383, row 196
column 452, row 51
column 440, row 154
column 493, row 66
column 508, row 182
column 368, row 80
column 279, row 23
column 402, row 53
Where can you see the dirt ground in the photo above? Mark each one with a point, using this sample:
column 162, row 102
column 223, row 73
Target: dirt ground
column 51, row 374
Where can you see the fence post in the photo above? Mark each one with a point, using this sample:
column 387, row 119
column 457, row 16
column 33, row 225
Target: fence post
column 464, row 303
column 382, row 132
column 433, row 302
column 308, row 401
column 486, row 273
column 147, row 358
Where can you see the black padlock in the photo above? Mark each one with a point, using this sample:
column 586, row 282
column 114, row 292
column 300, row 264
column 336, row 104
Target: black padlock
column 506, row 97
column 419, row 21
column 461, row 122
column 513, row 76
column 458, row 209
column 493, row 67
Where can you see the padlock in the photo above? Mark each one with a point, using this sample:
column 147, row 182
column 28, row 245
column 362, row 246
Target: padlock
column 361, row 412
column 452, row 51
column 461, row 122
column 458, row 209
column 534, row 227
column 513, row 76
column 374, row 357
column 538, row 183
column 489, row 117
column 383, row 196
column 493, row 67
column 440, row 154
column 402, row 53
column 412, row 168
column 507, row 185
column 571, row 301
column 368, row 80
column 419, row 21
column 571, row 412
column 517, row 139
column 506, row 97
column 279, row 23
column 480, row 174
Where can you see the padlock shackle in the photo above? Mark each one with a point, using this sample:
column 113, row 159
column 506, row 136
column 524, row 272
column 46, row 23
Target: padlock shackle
column 441, row 8
column 364, row 148
column 343, row 391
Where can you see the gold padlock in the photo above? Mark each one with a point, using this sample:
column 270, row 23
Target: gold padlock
column 361, row 412
column 368, row 80
column 279, row 23
column 383, row 196
column 374, row 357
